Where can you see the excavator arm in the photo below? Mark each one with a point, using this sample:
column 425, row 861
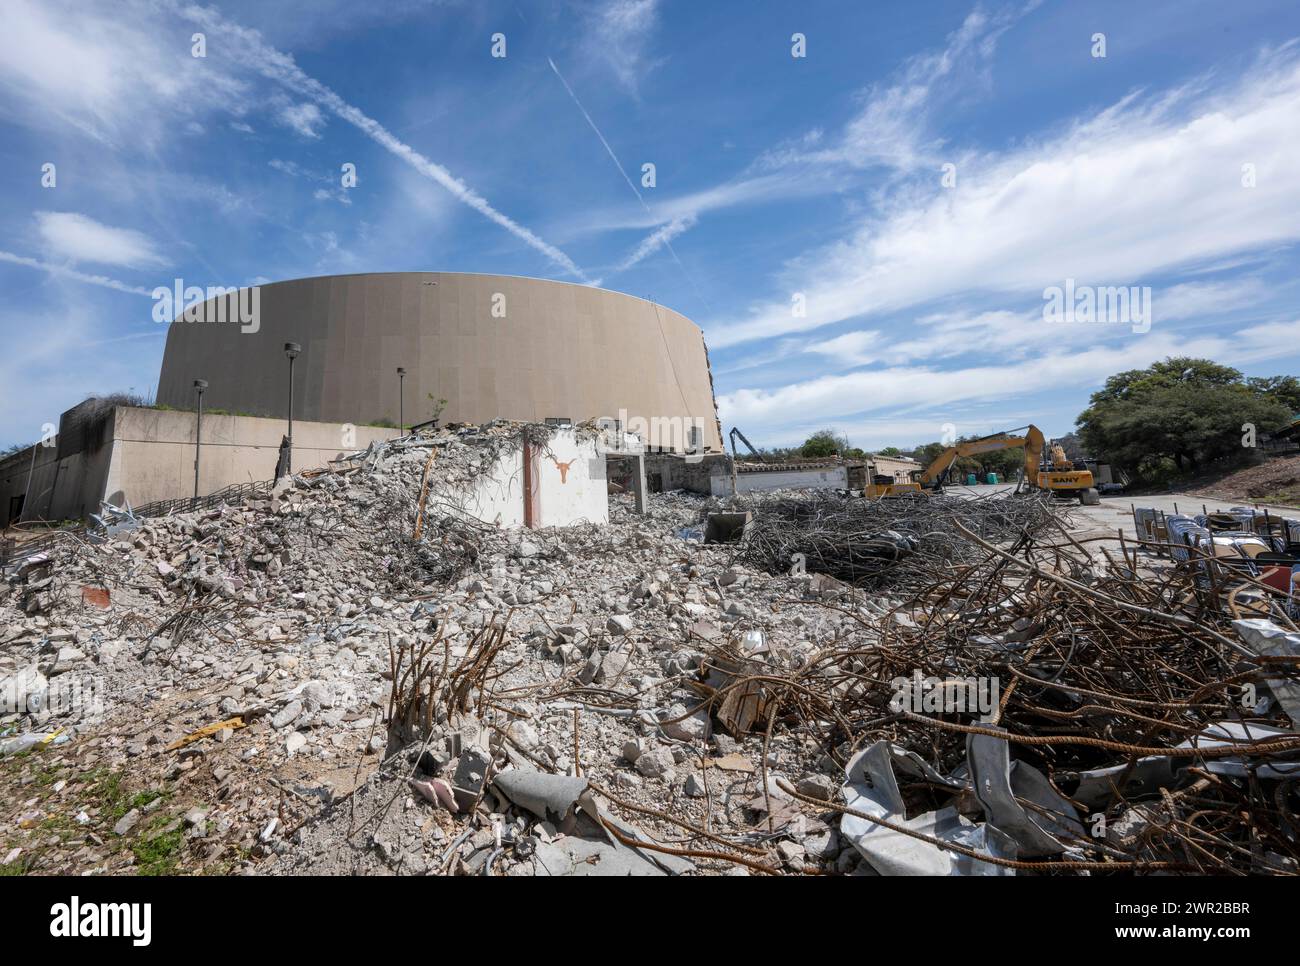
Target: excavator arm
column 932, row 474
column 1034, row 443
column 1059, row 476
column 735, row 431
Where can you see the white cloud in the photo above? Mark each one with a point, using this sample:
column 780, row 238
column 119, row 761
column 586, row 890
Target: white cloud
column 63, row 63
column 1147, row 186
column 617, row 35
column 849, row 349
column 69, row 64
column 340, row 195
column 75, row 237
column 904, row 388
column 662, row 238
column 655, row 241
column 66, row 272
column 334, row 190
column 1201, row 299
column 61, row 359
column 893, row 126
column 305, row 118
column 730, row 194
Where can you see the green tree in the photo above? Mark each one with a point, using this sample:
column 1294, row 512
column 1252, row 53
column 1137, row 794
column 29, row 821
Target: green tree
column 1171, row 373
column 1006, row 463
column 890, row 451
column 927, row 452
column 1281, row 389
column 823, row 443
column 1073, row 446
column 1188, row 411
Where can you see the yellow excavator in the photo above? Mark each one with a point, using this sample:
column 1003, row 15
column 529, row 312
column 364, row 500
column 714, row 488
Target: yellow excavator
column 881, row 485
column 1057, row 474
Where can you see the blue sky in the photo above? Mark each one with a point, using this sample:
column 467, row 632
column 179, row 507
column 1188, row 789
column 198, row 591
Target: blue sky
column 816, row 180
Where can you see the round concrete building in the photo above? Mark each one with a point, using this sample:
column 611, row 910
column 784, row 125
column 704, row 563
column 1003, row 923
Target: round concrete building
column 492, row 346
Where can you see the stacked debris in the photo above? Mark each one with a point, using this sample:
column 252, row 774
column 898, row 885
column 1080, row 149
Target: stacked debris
column 296, row 683
column 873, row 542
column 1048, row 709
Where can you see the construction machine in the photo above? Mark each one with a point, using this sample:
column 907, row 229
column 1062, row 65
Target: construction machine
column 881, row 485
column 735, row 431
column 1054, row 473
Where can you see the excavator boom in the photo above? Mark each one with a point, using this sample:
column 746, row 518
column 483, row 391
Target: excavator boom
column 1059, row 476
column 933, row 473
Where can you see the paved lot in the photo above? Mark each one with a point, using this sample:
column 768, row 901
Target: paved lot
column 1117, row 511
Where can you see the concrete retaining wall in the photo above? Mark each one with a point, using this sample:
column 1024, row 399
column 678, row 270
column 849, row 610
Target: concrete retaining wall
column 828, row 478
column 142, row 455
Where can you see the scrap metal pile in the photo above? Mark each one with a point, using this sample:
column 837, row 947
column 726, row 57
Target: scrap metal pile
column 1044, row 707
column 896, row 541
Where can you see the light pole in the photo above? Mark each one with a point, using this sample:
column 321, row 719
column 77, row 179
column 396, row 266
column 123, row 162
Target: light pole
column 199, row 386
column 401, row 401
column 291, row 349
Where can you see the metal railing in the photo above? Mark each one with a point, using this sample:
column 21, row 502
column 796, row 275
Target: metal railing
column 236, row 491
column 11, row 551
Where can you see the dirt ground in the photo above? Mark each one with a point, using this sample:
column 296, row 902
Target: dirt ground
column 1276, row 481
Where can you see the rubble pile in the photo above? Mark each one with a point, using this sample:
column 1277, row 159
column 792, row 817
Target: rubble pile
column 234, row 665
column 874, row 542
column 297, row 684
column 1053, row 709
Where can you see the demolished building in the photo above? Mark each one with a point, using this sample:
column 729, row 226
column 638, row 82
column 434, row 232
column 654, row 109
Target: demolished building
column 373, row 355
column 375, row 668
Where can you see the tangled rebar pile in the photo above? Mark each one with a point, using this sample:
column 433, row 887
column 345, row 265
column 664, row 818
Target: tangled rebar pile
column 865, row 542
column 1125, row 688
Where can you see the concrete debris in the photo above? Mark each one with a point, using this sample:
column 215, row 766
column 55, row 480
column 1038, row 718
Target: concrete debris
column 127, row 822
column 299, row 685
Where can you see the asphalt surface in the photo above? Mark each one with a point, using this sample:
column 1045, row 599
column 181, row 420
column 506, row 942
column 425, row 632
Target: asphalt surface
column 1116, row 512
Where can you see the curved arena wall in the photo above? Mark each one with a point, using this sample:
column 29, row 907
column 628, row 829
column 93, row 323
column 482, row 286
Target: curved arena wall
column 492, row 346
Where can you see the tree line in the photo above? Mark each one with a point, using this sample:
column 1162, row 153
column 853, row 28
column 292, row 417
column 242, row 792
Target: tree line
column 1178, row 417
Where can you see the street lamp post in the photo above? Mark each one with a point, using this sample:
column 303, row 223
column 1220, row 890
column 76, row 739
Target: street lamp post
column 291, row 349
column 199, row 386
column 401, row 401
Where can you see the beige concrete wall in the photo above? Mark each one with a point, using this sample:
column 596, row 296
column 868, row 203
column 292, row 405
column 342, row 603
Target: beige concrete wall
column 66, row 478
column 561, row 350
column 148, row 455
column 55, row 489
column 900, row 469
column 569, row 484
column 153, row 451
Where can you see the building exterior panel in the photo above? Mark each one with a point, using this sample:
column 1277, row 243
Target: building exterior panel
column 551, row 349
